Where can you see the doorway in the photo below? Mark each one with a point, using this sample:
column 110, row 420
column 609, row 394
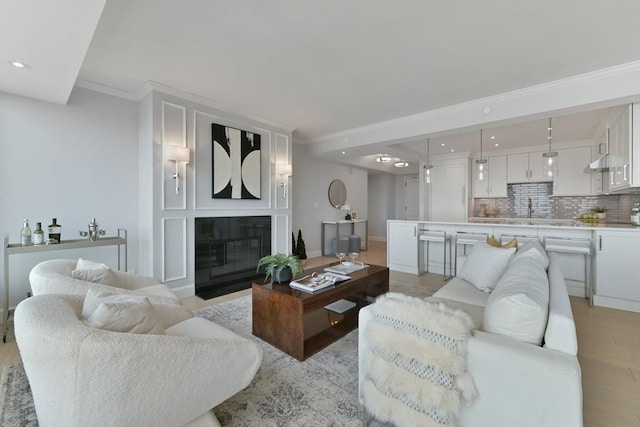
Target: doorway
column 411, row 198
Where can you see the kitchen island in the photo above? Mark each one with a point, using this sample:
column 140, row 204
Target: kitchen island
column 614, row 263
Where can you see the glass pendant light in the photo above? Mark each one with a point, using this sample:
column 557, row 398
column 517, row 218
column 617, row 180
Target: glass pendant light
column 481, row 163
column 427, row 167
column 550, row 163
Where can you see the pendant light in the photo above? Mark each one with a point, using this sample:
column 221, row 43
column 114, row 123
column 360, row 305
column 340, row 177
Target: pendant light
column 427, row 167
column 550, row 163
column 480, row 163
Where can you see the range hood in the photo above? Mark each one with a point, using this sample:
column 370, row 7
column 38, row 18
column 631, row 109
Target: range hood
column 600, row 165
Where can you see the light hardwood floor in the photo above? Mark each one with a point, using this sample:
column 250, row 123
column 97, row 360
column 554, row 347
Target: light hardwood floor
column 608, row 348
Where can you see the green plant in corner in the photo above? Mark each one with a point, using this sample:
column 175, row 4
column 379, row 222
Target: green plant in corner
column 282, row 268
column 600, row 209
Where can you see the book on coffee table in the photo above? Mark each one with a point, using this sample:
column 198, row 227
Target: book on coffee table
column 346, row 267
column 318, row 282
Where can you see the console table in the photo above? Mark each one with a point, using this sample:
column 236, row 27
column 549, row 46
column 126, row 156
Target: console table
column 17, row 248
column 352, row 227
column 298, row 323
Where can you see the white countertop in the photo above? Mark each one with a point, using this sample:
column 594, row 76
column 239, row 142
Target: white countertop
column 539, row 223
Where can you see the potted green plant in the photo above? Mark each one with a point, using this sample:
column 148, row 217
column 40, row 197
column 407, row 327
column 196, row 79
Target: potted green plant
column 281, row 268
column 601, row 211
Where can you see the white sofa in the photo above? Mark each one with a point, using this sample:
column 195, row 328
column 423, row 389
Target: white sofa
column 83, row 376
column 55, row 277
column 518, row 383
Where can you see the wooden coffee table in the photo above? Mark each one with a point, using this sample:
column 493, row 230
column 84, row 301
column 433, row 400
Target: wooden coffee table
column 297, row 323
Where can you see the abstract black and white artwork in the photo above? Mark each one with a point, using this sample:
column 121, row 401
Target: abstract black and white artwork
column 236, row 163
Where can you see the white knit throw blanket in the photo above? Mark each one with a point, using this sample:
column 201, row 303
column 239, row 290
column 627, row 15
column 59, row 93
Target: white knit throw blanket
column 415, row 362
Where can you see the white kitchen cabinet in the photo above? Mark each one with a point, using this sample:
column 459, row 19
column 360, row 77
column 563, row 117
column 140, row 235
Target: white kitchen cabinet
column 525, row 167
column 600, row 180
column 571, row 179
column 495, row 181
column 617, row 269
column 402, row 246
column 624, row 139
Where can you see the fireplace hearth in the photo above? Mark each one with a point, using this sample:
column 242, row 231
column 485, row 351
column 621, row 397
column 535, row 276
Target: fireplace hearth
column 227, row 250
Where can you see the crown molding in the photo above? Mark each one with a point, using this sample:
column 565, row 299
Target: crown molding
column 107, row 90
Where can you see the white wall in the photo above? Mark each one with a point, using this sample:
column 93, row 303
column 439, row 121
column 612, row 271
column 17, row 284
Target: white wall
column 310, row 186
column 383, row 201
column 71, row 162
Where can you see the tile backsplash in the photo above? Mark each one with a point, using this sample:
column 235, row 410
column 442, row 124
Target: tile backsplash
column 545, row 205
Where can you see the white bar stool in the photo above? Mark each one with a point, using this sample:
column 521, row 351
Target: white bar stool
column 521, row 238
column 465, row 239
column 579, row 247
column 437, row 236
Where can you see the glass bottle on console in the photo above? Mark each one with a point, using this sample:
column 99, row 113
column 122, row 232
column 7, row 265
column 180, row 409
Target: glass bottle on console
column 54, row 231
column 25, row 234
column 38, row 235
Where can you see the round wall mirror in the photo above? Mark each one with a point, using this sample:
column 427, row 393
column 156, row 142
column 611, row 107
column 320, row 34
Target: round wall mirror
column 337, row 193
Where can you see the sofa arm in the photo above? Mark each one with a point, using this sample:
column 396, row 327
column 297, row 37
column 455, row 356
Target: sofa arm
column 522, row 384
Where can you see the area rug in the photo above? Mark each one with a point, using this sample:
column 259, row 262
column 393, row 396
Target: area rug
column 321, row 391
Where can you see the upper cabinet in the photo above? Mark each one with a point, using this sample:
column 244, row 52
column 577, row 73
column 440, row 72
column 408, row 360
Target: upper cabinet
column 572, row 180
column 495, row 182
column 624, row 149
column 600, row 180
column 525, row 167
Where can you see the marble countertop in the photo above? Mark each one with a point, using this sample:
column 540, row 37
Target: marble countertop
column 540, row 223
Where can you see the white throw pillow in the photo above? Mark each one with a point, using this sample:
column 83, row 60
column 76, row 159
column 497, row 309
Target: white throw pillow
column 534, row 252
column 518, row 307
column 485, row 265
column 95, row 272
column 121, row 313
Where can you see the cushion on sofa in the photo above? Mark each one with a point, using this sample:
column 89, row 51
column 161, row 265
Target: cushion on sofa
column 485, row 264
column 457, row 289
column 518, row 307
column 534, row 252
column 121, row 313
column 95, row 272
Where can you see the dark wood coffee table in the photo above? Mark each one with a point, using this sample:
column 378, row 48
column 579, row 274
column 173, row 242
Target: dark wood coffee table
column 297, row 323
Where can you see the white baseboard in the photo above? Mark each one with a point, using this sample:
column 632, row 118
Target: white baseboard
column 185, row 291
column 620, row 304
column 314, row 254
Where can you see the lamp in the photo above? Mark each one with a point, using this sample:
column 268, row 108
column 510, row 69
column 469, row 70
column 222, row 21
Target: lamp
column 176, row 153
column 285, row 171
column 480, row 162
column 550, row 164
column 428, row 167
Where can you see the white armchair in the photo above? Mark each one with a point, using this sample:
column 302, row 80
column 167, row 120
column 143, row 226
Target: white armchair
column 54, row 277
column 80, row 376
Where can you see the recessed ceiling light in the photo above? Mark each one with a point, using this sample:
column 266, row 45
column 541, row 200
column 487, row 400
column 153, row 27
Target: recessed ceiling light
column 493, row 137
column 442, row 144
column 401, row 164
column 453, row 151
column 19, row 64
column 383, row 158
column 344, row 152
column 496, row 145
column 346, row 139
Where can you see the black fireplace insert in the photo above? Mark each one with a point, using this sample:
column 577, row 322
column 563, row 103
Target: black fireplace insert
column 227, row 250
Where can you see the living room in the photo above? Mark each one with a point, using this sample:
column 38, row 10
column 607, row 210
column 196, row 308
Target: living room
column 98, row 154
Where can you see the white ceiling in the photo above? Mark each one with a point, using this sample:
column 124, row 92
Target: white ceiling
column 324, row 67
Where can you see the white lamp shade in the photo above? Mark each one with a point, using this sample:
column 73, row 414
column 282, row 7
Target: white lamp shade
column 284, row 169
column 176, row 153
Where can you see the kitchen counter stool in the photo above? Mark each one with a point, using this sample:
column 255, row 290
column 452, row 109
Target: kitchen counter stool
column 579, row 247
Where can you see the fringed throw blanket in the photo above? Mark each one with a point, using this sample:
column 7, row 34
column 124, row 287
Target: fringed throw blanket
column 415, row 362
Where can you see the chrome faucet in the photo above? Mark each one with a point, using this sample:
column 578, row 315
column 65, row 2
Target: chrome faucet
column 530, row 207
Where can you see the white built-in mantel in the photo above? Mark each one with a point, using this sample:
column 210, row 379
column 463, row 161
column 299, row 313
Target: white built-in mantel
column 614, row 247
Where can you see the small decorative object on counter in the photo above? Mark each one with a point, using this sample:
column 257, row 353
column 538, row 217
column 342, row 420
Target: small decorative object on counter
column 25, row 234
column 601, row 211
column 635, row 214
column 54, row 232
column 38, row 234
column 94, row 231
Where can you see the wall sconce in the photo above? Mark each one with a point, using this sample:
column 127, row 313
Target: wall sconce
column 177, row 154
column 285, row 171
